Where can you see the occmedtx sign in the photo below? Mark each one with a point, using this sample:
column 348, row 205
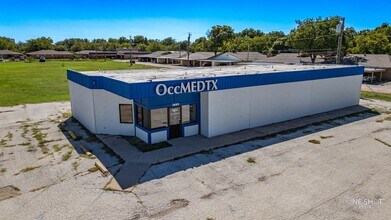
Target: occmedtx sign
column 194, row 86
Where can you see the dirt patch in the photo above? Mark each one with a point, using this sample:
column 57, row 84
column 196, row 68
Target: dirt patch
column 314, row 141
column 208, row 196
column 174, row 205
column 9, row 192
column 251, row 160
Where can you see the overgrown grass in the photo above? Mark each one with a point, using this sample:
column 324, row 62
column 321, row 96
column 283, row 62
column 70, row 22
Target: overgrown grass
column 66, row 115
column 326, row 137
column 66, row 156
column 75, row 165
column 9, row 136
column 36, row 82
column 3, row 170
column 314, row 141
column 3, row 142
column 144, row 147
column 28, row 169
column 378, row 96
column 93, row 169
column 251, row 160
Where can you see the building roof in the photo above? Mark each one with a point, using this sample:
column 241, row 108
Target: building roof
column 374, row 60
column 236, row 57
column 199, row 56
column 166, row 74
column 9, row 52
column 127, row 51
column 50, row 52
column 248, row 56
column 84, row 52
column 284, row 58
column 288, row 58
column 155, row 54
column 174, row 54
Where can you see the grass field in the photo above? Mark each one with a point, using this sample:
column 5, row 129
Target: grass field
column 35, row 82
column 379, row 96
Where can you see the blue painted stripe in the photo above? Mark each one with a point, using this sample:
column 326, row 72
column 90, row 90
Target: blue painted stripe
column 147, row 89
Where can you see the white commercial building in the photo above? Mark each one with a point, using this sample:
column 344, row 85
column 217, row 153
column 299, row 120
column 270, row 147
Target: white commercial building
column 160, row 104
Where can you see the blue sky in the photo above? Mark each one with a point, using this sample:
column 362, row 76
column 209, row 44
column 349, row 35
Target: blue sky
column 23, row 20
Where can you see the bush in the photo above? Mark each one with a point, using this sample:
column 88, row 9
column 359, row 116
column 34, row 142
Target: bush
column 28, row 60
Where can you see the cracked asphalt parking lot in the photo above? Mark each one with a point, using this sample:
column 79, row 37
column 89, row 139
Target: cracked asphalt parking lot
column 320, row 172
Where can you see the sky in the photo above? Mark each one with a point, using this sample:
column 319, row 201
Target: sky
column 22, row 20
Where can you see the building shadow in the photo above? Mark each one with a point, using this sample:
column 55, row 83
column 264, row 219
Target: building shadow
column 114, row 162
column 89, row 141
column 164, row 169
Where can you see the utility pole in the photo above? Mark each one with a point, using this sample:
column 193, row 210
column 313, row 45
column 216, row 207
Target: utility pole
column 340, row 29
column 248, row 48
column 96, row 53
column 131, row 50
column 188, row 50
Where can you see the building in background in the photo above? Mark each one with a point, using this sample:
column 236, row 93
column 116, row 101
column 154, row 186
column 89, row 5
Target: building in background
column 230, row 58
column 153, row 57
column 377, row 66
column 51, row 54
column 5, row 54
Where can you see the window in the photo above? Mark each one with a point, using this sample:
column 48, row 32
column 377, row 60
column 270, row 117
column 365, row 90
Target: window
column 189, row 113
column 125, row 114
column 158, row 118
column 185, row 114
column 139, row 115
column 193, row 113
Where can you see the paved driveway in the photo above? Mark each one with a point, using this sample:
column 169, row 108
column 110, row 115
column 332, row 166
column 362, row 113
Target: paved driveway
column 343, row 172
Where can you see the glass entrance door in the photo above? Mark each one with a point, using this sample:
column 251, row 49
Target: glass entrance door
column 174, row 115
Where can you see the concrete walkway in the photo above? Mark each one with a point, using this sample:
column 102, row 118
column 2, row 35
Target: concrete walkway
column 382, row 88
column 137, row 163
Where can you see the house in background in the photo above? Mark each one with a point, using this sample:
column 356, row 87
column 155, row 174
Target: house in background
column 230, row 58
column 124, row 54
column 172, row 58
column 85, row 54
column 196, row 59
column 51, row 54
column 4, row 54
column 152, row 57
column 376, row 65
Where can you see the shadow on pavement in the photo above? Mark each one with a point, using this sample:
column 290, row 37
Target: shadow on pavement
column 111, row 160
column 161, row 170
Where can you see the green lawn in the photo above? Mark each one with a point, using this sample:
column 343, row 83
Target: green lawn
column 379, row 96
column 35, row 82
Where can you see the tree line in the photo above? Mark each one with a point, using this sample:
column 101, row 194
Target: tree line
column 311, row 36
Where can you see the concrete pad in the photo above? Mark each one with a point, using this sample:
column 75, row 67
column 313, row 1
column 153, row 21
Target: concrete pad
column 120, row 146
column 290, row 179
column 130, row 173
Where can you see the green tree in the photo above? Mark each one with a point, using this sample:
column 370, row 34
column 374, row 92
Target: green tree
column 42, row 43
column 154, row 45
column 140, row 39
column 377, row 41
column 314, row 35
column 199, row 45
column 7, row 43
column 78, row 46
column 251, row 33
column 141, row 47
column 218, row 35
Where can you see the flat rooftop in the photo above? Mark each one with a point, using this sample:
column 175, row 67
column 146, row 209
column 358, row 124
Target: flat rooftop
column 167, row 74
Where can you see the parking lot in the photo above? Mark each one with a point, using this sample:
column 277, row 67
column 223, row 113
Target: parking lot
column 339, row 169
